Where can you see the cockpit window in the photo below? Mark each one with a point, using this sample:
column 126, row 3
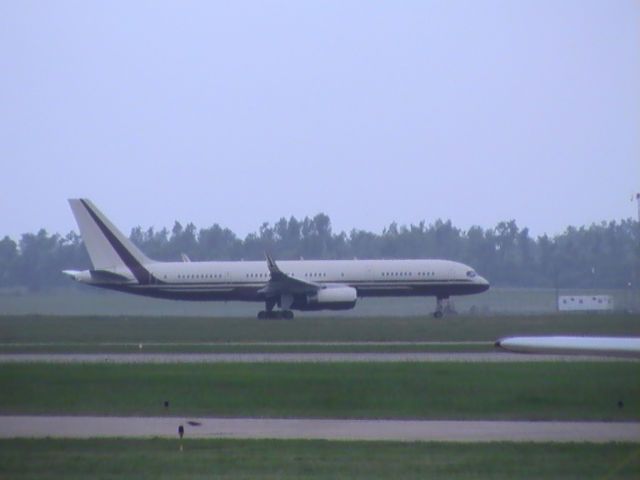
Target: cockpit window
column 471, row 274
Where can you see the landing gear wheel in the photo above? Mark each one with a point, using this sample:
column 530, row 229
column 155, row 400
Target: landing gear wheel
column 275, row 315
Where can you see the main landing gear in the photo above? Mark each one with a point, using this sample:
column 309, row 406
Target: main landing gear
column 275, row 314
column 271, row 314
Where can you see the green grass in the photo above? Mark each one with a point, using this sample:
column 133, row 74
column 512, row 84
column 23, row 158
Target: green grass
column 243, row 348
column 84, row 300
column 93, row 330
column 527, row 391
column 289, row 459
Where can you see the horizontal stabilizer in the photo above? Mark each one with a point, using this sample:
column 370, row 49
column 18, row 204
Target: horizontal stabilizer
column 72, row 273
column 104, row 276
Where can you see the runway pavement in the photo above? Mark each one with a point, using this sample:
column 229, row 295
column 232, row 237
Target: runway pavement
column 329, row 429
column 125, row 358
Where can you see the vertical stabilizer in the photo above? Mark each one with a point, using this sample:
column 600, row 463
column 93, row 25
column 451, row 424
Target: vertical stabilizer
column 108, row 248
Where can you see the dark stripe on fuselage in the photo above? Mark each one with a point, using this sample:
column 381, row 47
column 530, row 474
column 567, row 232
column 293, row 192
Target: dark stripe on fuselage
column 250, row 292
column 355, row 284
column 142, row 274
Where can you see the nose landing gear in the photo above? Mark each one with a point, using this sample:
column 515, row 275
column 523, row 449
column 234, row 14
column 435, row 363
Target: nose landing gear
column 442, row 305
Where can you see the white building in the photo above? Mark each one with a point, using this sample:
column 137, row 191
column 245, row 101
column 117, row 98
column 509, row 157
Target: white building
column 573, row 303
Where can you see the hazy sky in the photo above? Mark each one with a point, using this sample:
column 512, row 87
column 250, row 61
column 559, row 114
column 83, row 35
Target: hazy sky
column 244, row 112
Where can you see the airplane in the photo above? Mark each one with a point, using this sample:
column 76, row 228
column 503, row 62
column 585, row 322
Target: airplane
column 305, row 285
column 605, row 346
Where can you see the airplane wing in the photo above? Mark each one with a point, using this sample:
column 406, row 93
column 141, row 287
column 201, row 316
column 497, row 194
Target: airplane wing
column 280, row 282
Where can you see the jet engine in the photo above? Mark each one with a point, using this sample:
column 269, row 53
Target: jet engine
column 336, row 297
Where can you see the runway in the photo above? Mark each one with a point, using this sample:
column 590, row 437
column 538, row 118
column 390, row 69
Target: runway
column 160, row 358
column 326, row 429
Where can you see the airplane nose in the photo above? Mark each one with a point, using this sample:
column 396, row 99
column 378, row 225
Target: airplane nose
column 483, row 283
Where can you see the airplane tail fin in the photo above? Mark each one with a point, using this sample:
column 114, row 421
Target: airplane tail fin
column 108, row 248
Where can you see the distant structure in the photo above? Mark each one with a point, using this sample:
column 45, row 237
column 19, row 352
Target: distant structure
column 636, row 197
column 585, row 303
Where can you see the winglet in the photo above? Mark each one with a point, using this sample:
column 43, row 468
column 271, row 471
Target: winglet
column 273, row 268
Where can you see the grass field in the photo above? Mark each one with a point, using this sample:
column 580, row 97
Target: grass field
column 525, row 391
column 89, row 331
column 288, row 459
column 85, row 300
column 409, row 347
column 536, row 391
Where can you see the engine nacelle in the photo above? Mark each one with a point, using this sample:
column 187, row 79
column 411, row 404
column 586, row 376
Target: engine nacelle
column 331, row 298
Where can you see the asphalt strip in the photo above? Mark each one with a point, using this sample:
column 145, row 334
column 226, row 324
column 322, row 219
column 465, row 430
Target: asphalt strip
column 326, row 429
column 125, row 358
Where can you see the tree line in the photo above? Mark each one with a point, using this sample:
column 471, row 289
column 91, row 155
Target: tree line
column 605, row 255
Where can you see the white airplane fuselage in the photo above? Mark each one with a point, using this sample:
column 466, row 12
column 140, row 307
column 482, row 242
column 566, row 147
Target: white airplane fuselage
column 242, row 280
column 293, row 284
